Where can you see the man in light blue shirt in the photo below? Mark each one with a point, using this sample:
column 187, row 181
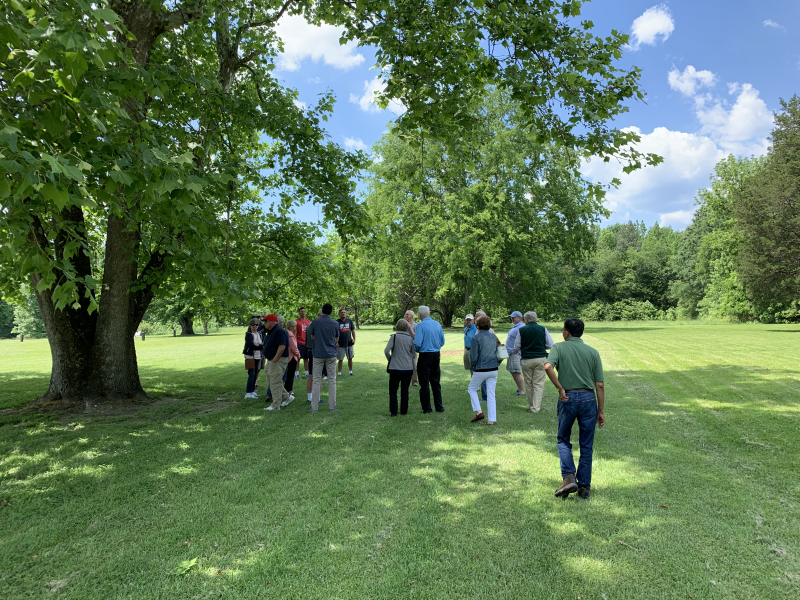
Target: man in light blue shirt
column 428, row 340
column 513, row 365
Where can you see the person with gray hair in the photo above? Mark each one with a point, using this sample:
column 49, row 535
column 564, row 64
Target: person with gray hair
column 513, row 365
column 400, row 354
column 428, row 341
column 532, row 344
column 412, row 329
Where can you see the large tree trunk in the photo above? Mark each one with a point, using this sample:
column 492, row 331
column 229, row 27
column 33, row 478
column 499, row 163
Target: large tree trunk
column 94, row 354
column 187, row 325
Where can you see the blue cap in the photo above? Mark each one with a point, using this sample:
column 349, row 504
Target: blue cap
column 516, row 313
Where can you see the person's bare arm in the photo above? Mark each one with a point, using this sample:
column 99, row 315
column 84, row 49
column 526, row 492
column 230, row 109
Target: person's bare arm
column 600, row 390
column 551, row 373
column 278, row 353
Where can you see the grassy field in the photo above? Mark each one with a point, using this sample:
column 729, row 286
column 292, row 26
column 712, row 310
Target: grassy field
column 696, row 490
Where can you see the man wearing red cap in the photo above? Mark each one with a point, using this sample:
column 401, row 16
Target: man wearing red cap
column 276, row 352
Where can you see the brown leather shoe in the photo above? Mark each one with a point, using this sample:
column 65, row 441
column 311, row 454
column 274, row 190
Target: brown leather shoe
column 568, row 486
column 584, row 493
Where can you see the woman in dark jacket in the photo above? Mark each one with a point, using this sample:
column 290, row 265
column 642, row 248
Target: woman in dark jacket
column 253, row 346
column 483, row 364
column 400, row 354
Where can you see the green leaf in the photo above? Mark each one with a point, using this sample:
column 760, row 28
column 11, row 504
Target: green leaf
column 106, row 14
column 58, row 196
column 5, row 188
column 75, row 64
column 64, row 81
column 184, row 566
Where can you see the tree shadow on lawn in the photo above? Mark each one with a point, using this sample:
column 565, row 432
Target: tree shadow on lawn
column 419, row 504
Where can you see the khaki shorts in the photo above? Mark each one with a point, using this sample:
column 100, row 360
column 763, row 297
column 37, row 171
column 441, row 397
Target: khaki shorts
column 513, row 363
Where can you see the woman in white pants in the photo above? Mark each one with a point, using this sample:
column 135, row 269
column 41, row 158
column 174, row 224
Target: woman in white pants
column 483, row 364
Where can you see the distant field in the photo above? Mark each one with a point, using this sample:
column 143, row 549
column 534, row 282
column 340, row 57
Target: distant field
column 696, row 488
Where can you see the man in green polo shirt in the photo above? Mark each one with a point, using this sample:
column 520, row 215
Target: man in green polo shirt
column 580, row 375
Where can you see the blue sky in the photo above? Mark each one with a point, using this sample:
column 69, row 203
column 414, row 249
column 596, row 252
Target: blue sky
column 713, row 73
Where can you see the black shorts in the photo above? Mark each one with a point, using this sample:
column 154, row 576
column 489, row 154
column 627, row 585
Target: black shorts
column 303, row 351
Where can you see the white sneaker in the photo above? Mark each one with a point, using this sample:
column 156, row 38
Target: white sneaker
column 288, row 401
column 250, row 395
column 296, row 375
column 339, row 375
column 270, row 407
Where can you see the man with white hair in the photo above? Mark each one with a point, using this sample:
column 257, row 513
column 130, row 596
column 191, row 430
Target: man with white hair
column 412, row 330
column 532, row 343
column 428, row 341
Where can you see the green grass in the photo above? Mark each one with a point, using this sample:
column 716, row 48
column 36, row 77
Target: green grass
column 696, row 472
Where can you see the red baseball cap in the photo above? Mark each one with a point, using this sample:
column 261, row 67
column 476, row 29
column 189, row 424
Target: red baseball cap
column 272, row 318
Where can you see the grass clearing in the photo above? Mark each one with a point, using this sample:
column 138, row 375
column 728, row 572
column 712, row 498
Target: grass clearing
column 695, row 481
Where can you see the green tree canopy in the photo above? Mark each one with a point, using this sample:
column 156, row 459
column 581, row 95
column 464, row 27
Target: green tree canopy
column 767, row 211
column 137, row 137
column 482, row 227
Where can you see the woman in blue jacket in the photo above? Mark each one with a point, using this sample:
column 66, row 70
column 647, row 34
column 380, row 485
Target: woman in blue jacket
column 483, row 364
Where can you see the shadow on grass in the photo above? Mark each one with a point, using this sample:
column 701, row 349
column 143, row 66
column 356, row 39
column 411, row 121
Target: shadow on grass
column 356, row 504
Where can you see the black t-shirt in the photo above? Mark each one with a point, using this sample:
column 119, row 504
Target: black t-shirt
column 345, row 332
column 276, row 337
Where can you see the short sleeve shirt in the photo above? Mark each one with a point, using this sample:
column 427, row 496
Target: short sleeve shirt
column 345, row 332
column 302, row 325
column 578, row 365
column 277, row 337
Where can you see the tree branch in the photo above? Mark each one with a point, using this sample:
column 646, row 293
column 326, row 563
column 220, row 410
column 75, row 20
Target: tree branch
column 183, row 15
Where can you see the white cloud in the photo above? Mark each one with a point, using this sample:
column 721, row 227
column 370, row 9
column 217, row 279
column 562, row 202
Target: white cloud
column 367, row 100
column 355, row 144
column 742, row 128
column 300, row 105
column 314, row 80
column 688, row 82
column 679, row 218
column 653, row 24
column 302, row 40
column 771, row 23
column 667, row 189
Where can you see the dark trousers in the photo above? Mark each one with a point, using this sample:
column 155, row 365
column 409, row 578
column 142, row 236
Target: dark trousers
column 288, row 377
column 252, row 375
column 429, row 375
column 401, row 380
column 581, row 407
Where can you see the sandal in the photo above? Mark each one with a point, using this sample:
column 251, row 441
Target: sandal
column 490, row 423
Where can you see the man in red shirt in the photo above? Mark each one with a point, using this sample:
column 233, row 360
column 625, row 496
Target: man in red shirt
column 302, row 325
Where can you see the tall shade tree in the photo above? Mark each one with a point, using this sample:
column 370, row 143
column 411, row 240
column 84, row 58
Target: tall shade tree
column 483, row 225
column 133, row 133
column 708, row 281
column 767, row 211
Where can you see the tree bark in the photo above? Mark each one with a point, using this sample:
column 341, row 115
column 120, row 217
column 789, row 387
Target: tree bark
column 93, row 354
column 187, row 325
column 205, row 327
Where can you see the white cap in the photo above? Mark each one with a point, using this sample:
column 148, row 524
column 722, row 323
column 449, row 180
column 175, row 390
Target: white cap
column 468, row 317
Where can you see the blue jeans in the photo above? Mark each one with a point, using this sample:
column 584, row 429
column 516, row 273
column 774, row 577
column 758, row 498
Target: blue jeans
column 580, row 406
column 252, row 375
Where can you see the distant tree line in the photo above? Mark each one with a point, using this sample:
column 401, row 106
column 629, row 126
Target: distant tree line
column 513, row 226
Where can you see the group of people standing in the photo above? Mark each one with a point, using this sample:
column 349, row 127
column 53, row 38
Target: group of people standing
column 414, row 352
column 276, row 346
